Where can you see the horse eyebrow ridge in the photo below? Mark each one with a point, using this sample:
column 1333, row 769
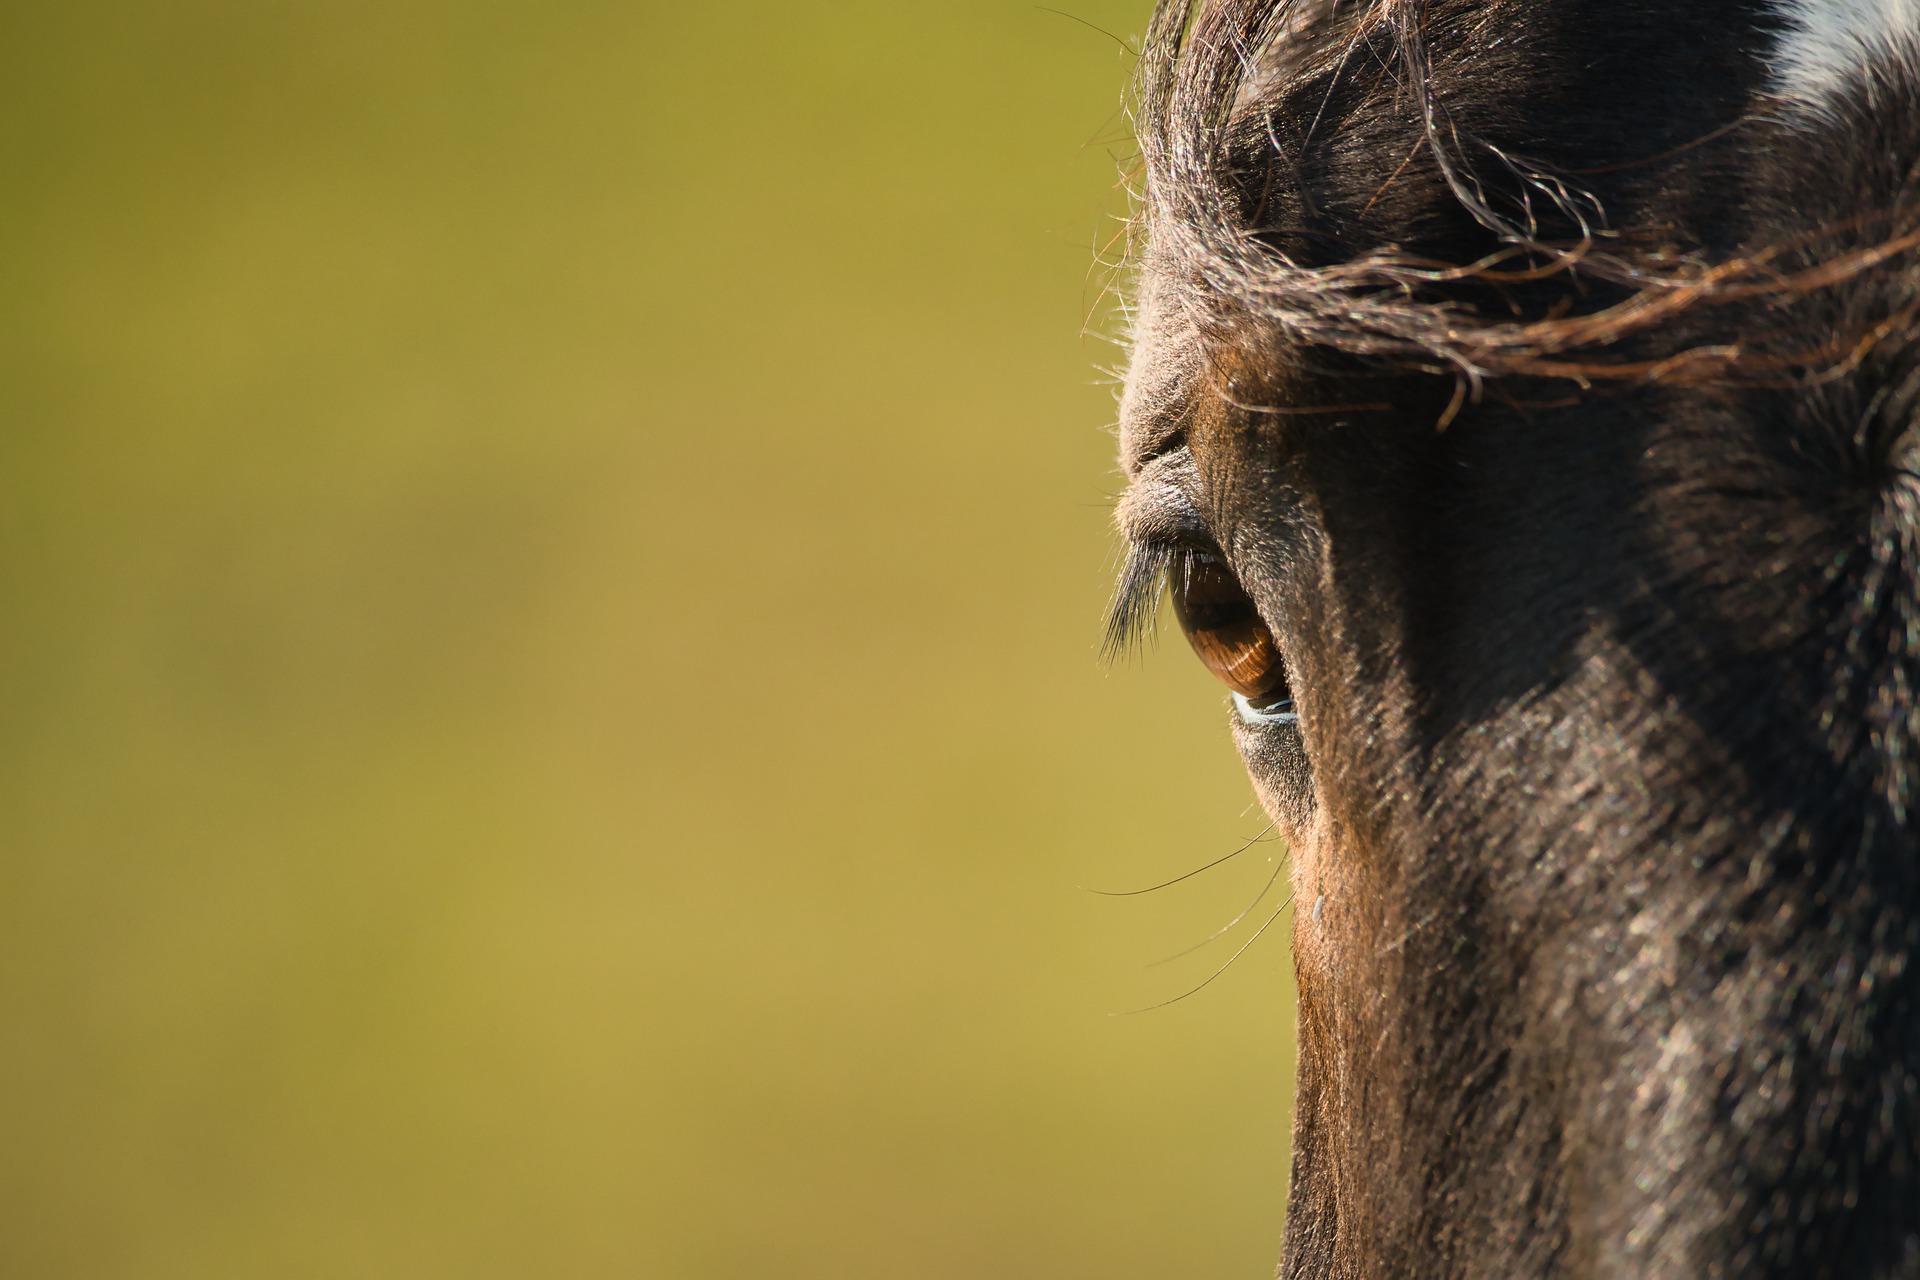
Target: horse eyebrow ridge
column 1156, row 404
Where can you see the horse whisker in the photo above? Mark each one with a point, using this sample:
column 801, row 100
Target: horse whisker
column 1223, row 968
column 1265, row 889
column 1134, row 893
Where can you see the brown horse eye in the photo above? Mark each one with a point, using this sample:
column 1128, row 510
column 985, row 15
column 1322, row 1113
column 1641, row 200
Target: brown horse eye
column 1225, row 629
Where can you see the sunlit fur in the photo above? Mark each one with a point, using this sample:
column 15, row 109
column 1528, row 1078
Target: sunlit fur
column 1828, row 45
column 1550, row 383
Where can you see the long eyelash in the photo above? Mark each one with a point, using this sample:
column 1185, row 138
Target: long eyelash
column 1136, row 600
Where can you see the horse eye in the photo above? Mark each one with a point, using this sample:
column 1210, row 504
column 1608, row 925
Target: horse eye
column 1225, row 629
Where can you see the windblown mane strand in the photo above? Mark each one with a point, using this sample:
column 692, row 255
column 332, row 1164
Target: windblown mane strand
column 1208, row 73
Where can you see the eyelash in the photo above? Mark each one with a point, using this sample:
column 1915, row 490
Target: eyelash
column 1136, row 600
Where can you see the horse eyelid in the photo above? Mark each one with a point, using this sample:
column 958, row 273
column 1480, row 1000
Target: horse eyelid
column 1160, row 519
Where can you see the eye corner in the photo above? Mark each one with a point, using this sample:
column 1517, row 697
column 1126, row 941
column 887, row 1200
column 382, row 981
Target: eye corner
column 1275, row 712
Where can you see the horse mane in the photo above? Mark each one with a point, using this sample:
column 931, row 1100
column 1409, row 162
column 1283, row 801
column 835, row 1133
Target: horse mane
column 1556, row 292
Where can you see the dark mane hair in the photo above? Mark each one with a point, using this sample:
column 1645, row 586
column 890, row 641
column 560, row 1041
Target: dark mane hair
column 1551, row 291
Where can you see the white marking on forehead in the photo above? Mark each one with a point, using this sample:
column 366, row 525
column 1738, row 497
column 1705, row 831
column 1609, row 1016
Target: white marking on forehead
column 1829, row 43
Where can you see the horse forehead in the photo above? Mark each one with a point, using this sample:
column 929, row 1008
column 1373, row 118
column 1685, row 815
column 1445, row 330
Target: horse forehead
column 1824, row 46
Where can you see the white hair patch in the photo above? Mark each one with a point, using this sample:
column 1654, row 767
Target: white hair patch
column 1828, row 44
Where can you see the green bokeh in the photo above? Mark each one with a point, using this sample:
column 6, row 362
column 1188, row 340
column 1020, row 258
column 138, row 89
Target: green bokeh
column 549, row 724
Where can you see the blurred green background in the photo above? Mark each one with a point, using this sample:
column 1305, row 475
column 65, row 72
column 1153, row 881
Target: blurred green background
column 552, row 556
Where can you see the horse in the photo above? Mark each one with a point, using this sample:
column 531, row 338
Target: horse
column 1523, row 418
